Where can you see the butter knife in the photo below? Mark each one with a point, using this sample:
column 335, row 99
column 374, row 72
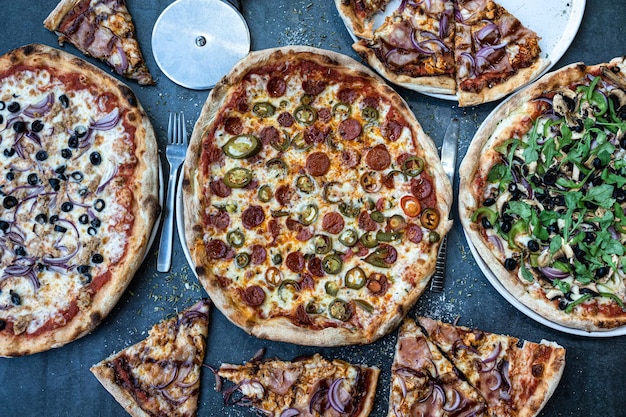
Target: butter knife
column 448, row 160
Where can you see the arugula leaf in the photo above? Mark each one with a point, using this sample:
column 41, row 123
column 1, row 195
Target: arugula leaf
column 549, row 151
column 520, row 208
column 555, row 244
column 526, row 273
column 562, row 285
column 602, row 195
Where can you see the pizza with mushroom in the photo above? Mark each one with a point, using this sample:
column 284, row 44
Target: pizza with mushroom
column 314, row 202
column 542, row 195
column 78, row 193
column 475, row 50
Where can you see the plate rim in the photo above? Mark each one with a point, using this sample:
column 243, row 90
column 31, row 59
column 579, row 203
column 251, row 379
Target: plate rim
column 180, row 222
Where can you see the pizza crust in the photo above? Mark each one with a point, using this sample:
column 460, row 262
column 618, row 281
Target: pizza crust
column 145, row 206
column 281, row 328
column 492, row 132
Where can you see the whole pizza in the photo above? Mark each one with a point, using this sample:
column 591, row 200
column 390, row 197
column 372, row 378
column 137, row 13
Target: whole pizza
column 78, row 186
column 543, row 197
column 314, row 202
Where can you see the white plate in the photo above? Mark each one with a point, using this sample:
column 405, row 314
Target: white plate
column 555, row 21
column 180, row 221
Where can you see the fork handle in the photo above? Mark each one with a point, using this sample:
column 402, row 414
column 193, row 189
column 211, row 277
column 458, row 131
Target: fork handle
column 164, row 259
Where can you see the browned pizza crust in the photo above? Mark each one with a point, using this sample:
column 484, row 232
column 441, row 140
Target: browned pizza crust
column 492, row 133
column 283, row 329
column 361, row 27
column 94, row 306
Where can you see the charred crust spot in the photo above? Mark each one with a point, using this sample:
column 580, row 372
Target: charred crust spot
column 95, row 317
column 200, row 270
column 198, row 228
column 128, row 94
column 131, row 117
column 400, row 310
column 29, row 49
column 186, row 181
column 537, row 370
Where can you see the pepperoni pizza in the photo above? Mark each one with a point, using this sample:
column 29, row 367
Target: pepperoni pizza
column 314, row 202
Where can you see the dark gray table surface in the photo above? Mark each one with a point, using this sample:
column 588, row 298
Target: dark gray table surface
column 58, row 382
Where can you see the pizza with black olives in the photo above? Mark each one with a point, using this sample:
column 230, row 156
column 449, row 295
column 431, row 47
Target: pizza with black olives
column 314, row 202
column 78, row 194
column 543, row 195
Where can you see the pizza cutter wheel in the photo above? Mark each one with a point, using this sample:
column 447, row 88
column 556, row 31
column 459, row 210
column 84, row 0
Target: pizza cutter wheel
column 196, row 42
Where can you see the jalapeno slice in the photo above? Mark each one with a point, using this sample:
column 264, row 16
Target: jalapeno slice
column 331, row 288
column 306, row 99
column 369, row 113
column 277, row 259
column 313, row 308
column 305, row 184
column 242, row 260
column 332, row 264
column 242, row 146
column 235, row 238
column 340, row 310
column 305, row 114
column 288, row 286
column 342, row 110
column 263, row 109
column 430, row 218
column 410, row 206
column 331, row 192
column 377, row 216
column 349, row 210
column 349, row 237
column 308, row 215
column 273, row 276
column 323, row 244
column 396, row 223
column 237, row 177
column 368, row 239
column 370, row 183
column 300, row 143
column 355, row 278
column 282, row 145
column 413, row 166
column 265, row 193
column 277, row 164
column 434, row 237
column 388, row 236
column 364, row 305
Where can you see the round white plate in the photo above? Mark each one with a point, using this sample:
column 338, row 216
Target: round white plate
column 180, row 221
column 556, row 23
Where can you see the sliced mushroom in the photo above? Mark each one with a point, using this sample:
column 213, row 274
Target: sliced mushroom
column 615, row 78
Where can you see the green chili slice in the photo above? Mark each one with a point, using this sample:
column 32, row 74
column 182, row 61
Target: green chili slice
column 263, row 109
column 308, row 215
column 242, row 259
column 237, row 177
column 242, row 146
column 331, row 288
column 377, row 216
column 388, row 236
column 434, row 237
column 355, row 278
column 576, row 302
column 323, row 244
column 305, row 114
column 277, row 164
column 340, row 310
column 265, row 193
column 305, row 184
column 349, row 210
column 332, row 264
column 396, row 223
column 369, row 113
column 342, row 110
column 364, row 305
column 235, row 238
column 413, row 166
column 349, row 237
column 491, row 215
column 330, row 194
column 300, row 143
column 368, row 239
column 282, row 145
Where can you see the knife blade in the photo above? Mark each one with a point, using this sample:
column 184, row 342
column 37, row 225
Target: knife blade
column 448, row 161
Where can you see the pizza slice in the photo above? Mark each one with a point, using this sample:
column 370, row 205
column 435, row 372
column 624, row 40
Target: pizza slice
column 358, row 15
column 495, row 53
column 307, row 386
column 414, row 47
column 425, row 383
column 161, row 374
column 102, row 29
column 515, row 378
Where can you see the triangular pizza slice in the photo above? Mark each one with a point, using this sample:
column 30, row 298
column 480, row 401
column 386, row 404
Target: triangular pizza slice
column 425, row 383
column 161, row 374
column 308, row 386
column 102, row 29
column 516, row 379
column 495, row 53
column 358, row 15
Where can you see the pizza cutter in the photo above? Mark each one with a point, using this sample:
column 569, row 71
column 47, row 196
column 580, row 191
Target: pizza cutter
column 196, row 42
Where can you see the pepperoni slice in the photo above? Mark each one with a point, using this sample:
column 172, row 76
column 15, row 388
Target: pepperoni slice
column 366, row 223
column 220, row 189
column 214, row 155
column 370, row 101
column 305, row 234
column 392, row 130
column 283, row 194
column 317, row 164
column 216, row 249
column 307, row 282
column 233, row 125
column 315, row 267
column 350, row 129
column 300, row 316
column 273, row 227
column 276, row 87
column 252, row 217
column 333, row 223
column 258, row 254
column 253, row 296
column 378, row 158
column 350, row 158
column 293, row 225
column 295, row 261
column 313, row 87
column 414, row 233
column 347, row 95
column 286, row 119
column 421, row 188
column 314, row 135
column 269, row 135
column 324, row 114
column 220, row 221
column 377, row 283
column 242, row 104
column 390, row 253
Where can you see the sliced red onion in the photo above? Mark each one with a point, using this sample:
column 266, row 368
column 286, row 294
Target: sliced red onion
column 431, row 388
column 61, row 260
column 316, row 397
column 470, row 59
column 290, row 412
column 497, row 242
column 498, row 381
column 553, row 273
column 108, row 122
column 438, row 394
column 333, row 396
column 34, row 137
column 453, row 404
column 443, row 26
column 111, row 172
column 188, row 366
column 218, row 379
column 494, row 354
column 487, row 50
column 227, row 393
column 505, row 374
column 41, row 108
column 123, row 65
column 171, row 376
column 614, row 233
column 486, row 31
column 258, row 355
column 402, row 384
column 169, row 397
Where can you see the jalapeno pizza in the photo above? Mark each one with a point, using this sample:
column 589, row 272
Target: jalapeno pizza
column 543, row 195
column 78, row 193
column 314, row 202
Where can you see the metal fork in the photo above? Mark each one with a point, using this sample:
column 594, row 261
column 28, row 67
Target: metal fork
column 175, row 154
